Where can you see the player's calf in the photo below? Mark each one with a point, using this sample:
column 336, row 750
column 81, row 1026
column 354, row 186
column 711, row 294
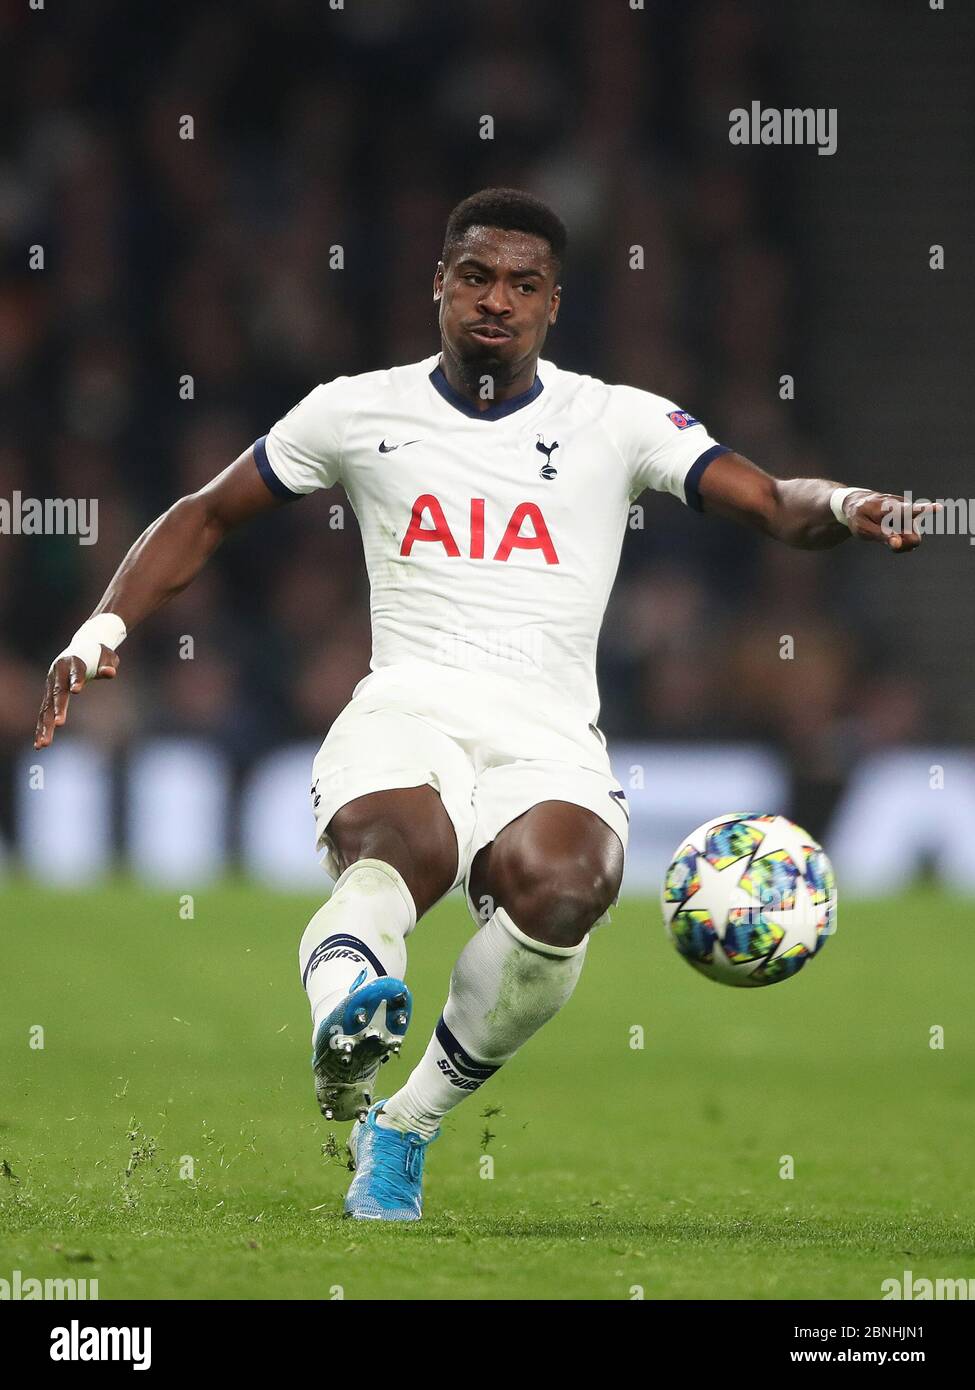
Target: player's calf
column 391, row 846
column 352, row 959
column 559, row 870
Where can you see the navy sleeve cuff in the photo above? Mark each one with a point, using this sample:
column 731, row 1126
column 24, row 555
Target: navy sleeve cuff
column 695, row 472
column 275, row 484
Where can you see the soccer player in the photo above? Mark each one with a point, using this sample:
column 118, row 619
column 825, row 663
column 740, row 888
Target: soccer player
column 493, row 491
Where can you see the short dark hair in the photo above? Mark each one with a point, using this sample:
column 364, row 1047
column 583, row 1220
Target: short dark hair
column 511, row 210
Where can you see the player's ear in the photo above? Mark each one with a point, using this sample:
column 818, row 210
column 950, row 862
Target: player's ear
column 438, row 281
column 554, row 302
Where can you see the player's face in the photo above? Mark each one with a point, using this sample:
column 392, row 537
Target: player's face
column 498, row 297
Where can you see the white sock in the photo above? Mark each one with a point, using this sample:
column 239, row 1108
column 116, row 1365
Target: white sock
column 504, row 986
column 363, row 926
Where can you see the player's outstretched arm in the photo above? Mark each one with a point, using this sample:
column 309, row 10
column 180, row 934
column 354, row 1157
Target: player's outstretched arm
column 164, row 559
column 806, row 512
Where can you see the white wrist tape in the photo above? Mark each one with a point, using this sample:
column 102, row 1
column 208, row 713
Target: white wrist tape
column 105, row 629
column 836, row 499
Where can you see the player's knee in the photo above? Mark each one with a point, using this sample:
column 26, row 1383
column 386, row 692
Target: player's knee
column 558, row 900
column 357, row 833
column 421, row 848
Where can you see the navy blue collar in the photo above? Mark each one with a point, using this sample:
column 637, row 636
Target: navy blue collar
column 493, row 412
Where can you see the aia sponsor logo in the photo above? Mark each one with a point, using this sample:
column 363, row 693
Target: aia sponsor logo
column 526, row 529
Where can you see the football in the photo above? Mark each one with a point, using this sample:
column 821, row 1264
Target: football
column 748, row 900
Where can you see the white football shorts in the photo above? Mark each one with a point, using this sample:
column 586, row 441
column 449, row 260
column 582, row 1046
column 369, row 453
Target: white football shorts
column 491, row 746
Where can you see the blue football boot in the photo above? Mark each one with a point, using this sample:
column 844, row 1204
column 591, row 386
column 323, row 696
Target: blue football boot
column 364, row 1029
column 388, row 1182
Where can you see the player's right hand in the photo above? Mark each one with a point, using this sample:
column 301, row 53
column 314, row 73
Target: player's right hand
column 66, row 678
column 888, row 518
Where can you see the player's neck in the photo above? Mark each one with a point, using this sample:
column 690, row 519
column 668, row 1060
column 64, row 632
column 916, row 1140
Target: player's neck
column 468, row 380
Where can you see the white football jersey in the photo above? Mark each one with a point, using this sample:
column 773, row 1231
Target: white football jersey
column 491, row 538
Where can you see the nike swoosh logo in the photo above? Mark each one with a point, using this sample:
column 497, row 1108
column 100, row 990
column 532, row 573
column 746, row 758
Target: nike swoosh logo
column 385, row 448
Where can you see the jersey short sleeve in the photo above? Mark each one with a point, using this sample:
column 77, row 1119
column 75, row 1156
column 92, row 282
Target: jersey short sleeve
column 663, row 447
column 303, row 451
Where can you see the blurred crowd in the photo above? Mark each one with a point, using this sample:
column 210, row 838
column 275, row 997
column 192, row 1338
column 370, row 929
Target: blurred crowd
column 167, row 258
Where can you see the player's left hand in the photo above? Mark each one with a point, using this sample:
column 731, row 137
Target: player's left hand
column 885, row 517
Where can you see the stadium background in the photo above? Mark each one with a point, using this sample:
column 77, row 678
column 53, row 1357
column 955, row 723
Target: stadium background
column 313, row 127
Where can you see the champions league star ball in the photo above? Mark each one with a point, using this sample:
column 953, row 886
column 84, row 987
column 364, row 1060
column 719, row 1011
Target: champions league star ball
column 749, row 899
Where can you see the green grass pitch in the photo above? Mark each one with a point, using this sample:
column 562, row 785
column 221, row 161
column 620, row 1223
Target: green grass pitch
column 615, row 1168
